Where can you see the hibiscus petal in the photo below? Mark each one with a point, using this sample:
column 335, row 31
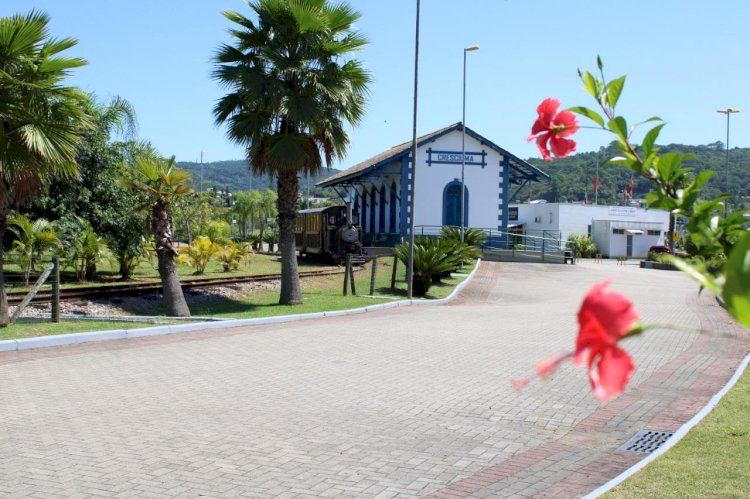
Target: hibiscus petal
column 562, row 147
column 568, row 120
column 538, row 127
column 520, row 383
column 541, row 144
column 604, row 317
column 610, row 373
column 545, row 368
column 547, row 110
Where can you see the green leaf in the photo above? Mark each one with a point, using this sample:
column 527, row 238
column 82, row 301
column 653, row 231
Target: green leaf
column 588, row 113
column 737, row 287
column 591, row 85
column 614, row 89
column 619, row 126
column 650, row 139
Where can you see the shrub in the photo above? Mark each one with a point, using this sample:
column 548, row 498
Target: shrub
column 432, row 257
column 583, row 245
column 218, row 231
column 198, row 254
column 230, row 255
column 472, row 237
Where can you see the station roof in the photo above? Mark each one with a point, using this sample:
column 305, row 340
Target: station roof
column 520, row 170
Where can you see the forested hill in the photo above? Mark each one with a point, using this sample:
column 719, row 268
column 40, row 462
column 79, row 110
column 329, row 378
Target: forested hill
column 236, row 176
column 573, row 176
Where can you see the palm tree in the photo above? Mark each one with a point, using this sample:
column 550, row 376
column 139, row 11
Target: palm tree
column 292, row 87
column 31, row 240
column 162, row 182
column 41, row 120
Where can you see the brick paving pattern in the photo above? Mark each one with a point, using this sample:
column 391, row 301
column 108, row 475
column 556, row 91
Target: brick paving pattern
column 407, row 402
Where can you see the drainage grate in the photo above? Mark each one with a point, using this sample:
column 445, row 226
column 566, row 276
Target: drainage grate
column 645, row 441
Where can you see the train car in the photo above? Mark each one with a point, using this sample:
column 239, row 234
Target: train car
column 327, row 233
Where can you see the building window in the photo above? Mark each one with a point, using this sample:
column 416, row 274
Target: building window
column 654, row 233
column 550, row 217
column 589, row 230
column 618, row 231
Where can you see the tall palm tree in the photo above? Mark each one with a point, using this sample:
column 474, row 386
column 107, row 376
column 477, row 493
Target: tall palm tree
column 292, row 87
column 162, row 182
column 41, row 120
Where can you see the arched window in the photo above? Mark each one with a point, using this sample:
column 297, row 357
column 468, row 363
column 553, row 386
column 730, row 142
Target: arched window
column 452, row 204
column 372, row 209
column 392, row 205
column 363, row 217
column 381, row 212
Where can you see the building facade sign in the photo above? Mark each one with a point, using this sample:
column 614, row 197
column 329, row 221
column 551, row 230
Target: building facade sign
column 623, row 211
column 454, row 158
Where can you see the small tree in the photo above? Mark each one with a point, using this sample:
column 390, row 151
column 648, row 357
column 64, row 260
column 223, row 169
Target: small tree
column 31, row 240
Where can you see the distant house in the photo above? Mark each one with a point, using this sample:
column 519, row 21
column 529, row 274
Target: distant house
column 379, row 192
column 616, row 230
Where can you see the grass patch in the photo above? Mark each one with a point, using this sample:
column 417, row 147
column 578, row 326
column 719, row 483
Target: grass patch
column 321, row 293
column 31, row 328
column 713, row 460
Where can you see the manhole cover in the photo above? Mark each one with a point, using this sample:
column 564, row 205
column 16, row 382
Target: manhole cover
column 645, row 441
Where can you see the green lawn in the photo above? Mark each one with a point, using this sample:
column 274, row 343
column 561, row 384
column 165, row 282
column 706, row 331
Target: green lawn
column 713, row 460
column 322, row 293
column 147, row 272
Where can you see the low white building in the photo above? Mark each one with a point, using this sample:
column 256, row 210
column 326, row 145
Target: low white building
column 616, row 230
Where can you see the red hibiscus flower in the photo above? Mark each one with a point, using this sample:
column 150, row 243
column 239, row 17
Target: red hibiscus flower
column 605, row 317
column 551, row 127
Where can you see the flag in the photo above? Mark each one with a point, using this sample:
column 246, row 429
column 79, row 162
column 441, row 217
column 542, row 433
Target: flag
column 631, row 187
column 596, row 183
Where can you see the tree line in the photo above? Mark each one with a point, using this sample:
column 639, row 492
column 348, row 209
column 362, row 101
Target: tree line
column 572, row 177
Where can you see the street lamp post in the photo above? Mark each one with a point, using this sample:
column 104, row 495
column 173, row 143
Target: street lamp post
column 413, row 180
column 463, row 139
column 728, row 111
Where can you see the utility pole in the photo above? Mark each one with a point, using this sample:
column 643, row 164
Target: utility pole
column 728, row 111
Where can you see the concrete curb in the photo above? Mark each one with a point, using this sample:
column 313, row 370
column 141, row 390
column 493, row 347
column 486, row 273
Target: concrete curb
column 119, row 334
column 678, row 435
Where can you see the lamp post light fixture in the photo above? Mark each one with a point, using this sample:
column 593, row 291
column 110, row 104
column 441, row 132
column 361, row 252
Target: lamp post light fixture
column 463, row 139
column 728, row 111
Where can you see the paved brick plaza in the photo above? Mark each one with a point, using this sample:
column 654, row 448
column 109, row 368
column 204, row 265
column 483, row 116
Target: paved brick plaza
column 401, row 403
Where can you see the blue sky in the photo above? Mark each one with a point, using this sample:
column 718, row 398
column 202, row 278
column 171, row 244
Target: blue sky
column 684, row 59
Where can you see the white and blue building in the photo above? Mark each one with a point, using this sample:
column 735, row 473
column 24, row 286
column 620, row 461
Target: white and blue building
column 379, row 188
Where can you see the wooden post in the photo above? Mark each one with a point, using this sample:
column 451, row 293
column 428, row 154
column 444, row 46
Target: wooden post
column 351, row 276
column 393, row 273
column 347, row 269
column 373, row 274
column 55, row 305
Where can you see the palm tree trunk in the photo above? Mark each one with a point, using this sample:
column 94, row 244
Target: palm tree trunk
column 4, row 315
column 288, row 185
column 174, row 299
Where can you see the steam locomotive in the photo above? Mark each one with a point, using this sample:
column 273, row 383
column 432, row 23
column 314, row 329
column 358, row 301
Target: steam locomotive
column 327, row 233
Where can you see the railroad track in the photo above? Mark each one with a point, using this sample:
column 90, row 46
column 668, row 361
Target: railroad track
column 134, row 289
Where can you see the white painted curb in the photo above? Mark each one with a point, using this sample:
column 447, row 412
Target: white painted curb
column 118, row 334
column 678, row 435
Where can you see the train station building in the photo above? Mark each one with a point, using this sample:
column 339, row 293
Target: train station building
column 378, row 189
